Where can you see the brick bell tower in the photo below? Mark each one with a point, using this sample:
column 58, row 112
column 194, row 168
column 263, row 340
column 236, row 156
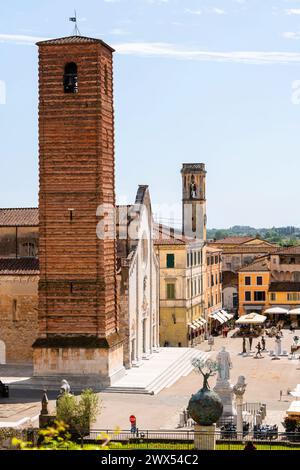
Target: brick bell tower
column 194, row 200
column 78, row 311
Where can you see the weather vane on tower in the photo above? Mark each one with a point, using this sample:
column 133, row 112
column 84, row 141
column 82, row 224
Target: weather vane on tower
column 76, row 31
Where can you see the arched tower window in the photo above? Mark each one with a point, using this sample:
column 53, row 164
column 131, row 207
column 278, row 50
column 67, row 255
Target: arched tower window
column 70, row 78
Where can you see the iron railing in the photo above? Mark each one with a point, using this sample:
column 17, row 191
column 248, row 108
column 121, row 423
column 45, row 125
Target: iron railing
column 178, row 439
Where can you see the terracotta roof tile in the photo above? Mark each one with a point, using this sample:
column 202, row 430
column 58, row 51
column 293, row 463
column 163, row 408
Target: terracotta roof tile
column 19, row 217
column 290, row 250
column 258, row 265
column 233, row 240
column 73, row 40
column 20, row 266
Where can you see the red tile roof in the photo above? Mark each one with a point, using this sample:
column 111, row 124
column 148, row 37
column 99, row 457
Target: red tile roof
column 290, row 250
column 233, row 240
column 22, row 217
column 164, row 235
column 20, row 266
column 258, row 265
column 73, row 40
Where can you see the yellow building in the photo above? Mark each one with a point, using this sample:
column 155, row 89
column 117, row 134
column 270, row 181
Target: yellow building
column 182, row 302
column 271, row 281
column 254, row 281
column 213, row 275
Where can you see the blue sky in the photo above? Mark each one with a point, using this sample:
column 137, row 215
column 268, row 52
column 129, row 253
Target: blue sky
column 195, row 81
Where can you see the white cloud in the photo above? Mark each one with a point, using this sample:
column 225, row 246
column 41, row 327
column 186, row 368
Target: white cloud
column 291, row 35
column 20, row 39
column 218, row 11
column 292, row 11
column 172, row 51
column 165, row 50
column 193, row 12
column 118, row 32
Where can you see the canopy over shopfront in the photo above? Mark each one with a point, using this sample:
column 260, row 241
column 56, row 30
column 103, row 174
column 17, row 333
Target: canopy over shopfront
column 221, row 316
column 277, row 311
column 251, row 319
column 200, row 323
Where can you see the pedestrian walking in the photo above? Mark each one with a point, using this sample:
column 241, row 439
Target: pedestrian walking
column 258, row 347
column 263, row 343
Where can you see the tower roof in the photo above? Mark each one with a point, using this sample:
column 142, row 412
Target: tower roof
column 193, row 167
column 73, row 40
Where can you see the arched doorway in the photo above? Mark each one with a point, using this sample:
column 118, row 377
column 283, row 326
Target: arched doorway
column 2, row 352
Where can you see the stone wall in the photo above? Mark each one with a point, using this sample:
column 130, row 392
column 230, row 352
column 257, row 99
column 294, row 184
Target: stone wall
column 18, row 316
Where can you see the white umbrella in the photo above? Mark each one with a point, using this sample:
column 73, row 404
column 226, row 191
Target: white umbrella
column 295, row 311
column 277, row 311
column 251, row 319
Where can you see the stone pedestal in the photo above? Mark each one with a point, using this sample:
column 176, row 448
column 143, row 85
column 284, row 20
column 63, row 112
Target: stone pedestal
column 225, row 391
column 205, row 437
column 98, row 367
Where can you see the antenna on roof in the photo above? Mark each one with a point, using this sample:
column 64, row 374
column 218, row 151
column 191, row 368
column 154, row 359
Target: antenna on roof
column 76, row 31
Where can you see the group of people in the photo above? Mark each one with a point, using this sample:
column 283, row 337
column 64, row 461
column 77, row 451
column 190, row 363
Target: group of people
column 261, row 345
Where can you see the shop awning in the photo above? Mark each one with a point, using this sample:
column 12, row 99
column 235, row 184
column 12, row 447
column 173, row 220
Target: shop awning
column 227, row 315
column 199, row 323
column 221, row 316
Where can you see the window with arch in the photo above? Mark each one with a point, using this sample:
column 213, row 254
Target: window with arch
column 70, row 78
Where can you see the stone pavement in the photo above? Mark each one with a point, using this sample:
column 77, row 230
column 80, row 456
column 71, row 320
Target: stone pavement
column 265, row 379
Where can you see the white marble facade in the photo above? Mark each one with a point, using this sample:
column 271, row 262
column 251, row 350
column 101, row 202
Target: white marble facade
column 141, row 309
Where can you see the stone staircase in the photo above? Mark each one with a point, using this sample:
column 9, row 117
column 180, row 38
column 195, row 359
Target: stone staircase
column 161, row 371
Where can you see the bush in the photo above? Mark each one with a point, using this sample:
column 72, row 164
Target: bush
column 78, row 415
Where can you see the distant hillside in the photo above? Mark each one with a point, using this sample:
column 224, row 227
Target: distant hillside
column 285, row 236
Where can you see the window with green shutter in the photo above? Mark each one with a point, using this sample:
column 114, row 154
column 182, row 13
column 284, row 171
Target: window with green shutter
column 170, row 261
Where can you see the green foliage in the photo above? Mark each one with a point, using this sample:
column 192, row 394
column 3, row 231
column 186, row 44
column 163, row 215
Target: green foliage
column 284, row 236
column 78, row 414
column 292, row 425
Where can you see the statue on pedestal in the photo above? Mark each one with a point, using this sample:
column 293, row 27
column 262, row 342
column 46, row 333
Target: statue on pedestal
column 223, row 386
column 278, row 345
column 224, row 364
column 239, row 390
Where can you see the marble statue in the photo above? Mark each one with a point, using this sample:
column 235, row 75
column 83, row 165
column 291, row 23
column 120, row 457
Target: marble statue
column 64, row 389
column 278, row 346
column 240, row 387
column 225, row 364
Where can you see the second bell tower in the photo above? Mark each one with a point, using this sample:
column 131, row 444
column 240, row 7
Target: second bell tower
column 194, row 200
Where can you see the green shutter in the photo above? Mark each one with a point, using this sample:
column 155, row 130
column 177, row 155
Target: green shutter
column 170, row 261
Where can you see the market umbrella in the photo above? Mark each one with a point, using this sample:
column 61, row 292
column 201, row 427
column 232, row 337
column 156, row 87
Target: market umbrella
column 295, row 311
column 251, row 319
column 277, row 311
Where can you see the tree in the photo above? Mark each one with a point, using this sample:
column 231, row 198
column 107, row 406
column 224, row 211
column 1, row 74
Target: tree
column 80, row 413
column 207, row 369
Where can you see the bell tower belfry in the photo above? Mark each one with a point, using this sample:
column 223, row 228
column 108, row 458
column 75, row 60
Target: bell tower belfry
column 78, row 307
column 194, row 200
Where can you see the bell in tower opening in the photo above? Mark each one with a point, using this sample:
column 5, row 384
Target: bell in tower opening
column 193, row 188
column 71, row 78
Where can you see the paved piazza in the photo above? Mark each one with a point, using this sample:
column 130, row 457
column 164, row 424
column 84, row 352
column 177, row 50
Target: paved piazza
column 265, row 378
